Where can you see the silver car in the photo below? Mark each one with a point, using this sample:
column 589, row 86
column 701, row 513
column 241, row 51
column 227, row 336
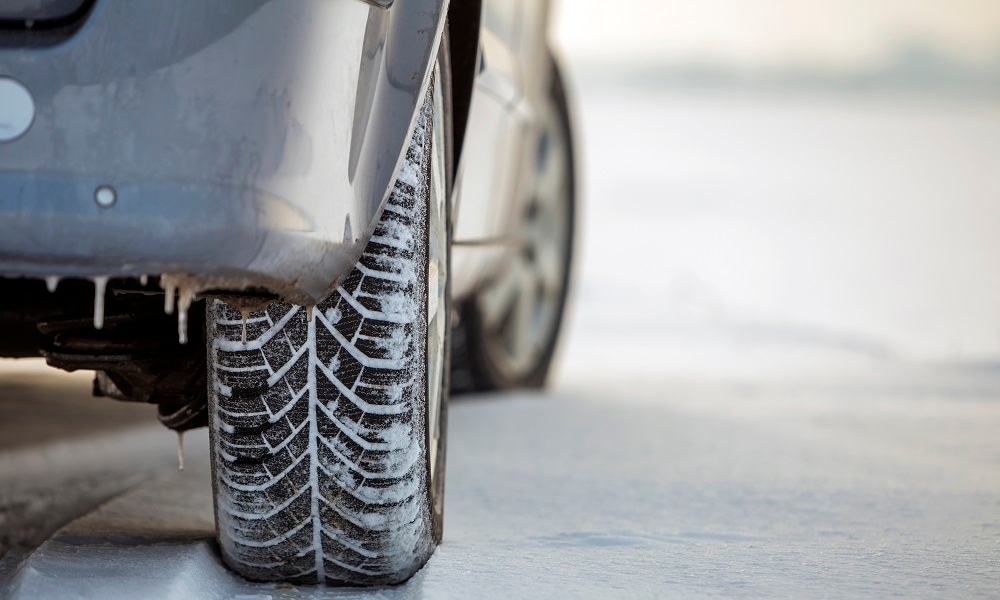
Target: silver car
column 300, row 223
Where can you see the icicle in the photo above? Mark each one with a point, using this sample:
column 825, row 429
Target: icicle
column 100, row 283
column 186, row 296
column 180, row 450
column 171, row 291
column 309, row 313
column 52, row 283
column 244, row 313
column 143, row 280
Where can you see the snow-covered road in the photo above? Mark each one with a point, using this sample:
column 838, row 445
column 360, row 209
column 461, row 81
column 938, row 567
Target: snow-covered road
column 840, row 488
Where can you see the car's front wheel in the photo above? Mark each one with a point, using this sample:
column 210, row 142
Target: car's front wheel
column 327, row 424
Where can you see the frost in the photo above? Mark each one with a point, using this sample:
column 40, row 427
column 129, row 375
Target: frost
column 397, row 436
column 409, row 174
column 390, row 495
column 399, row 305
column 333, row 315
column 394, row 393
column 396, row 345
column 394, row 234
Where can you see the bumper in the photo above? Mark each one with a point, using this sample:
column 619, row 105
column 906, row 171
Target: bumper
column 239, row 139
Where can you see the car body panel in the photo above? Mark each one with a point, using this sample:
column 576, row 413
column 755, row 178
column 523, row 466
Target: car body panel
column 249, row 143
column 496, row 168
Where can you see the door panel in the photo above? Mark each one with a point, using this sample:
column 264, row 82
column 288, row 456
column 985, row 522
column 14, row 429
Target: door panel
column 499, row 134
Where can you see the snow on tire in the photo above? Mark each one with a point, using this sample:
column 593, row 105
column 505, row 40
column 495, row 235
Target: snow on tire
column 319, row 427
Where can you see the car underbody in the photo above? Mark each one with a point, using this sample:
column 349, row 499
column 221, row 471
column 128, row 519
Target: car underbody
column 137, row 351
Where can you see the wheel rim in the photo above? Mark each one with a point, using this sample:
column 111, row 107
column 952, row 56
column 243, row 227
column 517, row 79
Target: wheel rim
column 521, row 307
column 437, row 279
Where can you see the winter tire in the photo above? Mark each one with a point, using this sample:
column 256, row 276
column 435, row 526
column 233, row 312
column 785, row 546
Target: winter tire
column 327, row 423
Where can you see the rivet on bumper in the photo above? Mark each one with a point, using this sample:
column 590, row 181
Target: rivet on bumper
column 105, row 196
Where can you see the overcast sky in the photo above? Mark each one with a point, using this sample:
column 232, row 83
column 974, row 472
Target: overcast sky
column 761, row 33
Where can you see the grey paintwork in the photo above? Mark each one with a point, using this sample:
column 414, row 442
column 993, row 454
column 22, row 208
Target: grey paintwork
column 496, row 175
column 252, row 141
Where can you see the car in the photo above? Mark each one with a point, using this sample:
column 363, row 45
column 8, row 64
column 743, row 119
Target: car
column 301, row 223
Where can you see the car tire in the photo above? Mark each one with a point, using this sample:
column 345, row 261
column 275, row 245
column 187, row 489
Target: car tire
column 506, row 333
column 327, row 424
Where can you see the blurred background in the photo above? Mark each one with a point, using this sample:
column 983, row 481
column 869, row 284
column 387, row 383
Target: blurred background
column 780, row 187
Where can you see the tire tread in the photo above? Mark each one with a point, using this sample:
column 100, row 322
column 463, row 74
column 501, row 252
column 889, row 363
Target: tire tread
column 318, row 425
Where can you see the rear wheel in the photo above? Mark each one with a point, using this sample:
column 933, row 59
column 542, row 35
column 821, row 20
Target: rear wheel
column 327, row 424
column 508, row 329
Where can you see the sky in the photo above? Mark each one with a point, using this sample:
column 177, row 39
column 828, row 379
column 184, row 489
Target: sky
column 834, row 34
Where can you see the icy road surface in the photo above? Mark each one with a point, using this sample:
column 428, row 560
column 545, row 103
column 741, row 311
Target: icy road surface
column 866, row 488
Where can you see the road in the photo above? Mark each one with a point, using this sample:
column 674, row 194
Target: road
column 885, row 485
column 784, row 385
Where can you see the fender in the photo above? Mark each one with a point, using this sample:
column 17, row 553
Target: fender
column 245, row 144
